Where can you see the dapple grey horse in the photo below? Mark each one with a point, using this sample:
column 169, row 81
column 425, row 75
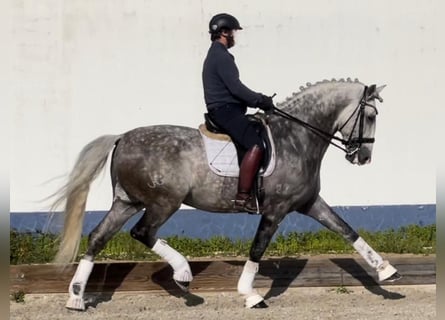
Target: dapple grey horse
column 158, row 168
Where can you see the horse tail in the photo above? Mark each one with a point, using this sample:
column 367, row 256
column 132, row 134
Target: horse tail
column 74, row 193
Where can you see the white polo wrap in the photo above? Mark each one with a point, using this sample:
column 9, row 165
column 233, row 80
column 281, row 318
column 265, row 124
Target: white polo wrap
column 181, row 268
column 370, row 256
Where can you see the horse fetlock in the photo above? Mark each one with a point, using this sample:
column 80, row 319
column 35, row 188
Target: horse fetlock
column 180, row 265
column 76, row 301
column 184, row 274
column 77, row 289
column 385, row 271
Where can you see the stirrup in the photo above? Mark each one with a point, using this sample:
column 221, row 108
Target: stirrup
column 248, row 205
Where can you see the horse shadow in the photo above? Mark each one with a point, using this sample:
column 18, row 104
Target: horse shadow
column 107, row 278
column 281, row 281
column 164, row 278
column 104, row 281
column 361, row 275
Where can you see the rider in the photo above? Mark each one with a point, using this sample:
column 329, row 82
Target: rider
column 227, row 99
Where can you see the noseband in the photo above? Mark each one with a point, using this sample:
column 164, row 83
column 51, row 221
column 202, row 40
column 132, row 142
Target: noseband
column 351, row 145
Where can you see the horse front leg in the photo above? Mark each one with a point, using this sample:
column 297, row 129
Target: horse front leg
column 321, row 212
column 266, row 229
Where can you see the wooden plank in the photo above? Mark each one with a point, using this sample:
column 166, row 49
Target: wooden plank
column 222, row 275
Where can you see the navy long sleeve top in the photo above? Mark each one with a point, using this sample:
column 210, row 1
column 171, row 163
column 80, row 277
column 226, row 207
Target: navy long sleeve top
column 221, row 81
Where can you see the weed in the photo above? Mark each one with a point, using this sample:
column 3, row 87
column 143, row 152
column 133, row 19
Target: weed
column 17, row 296
column 342, row 290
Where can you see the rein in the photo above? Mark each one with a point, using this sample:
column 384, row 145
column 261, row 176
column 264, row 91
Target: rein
column 352, row 145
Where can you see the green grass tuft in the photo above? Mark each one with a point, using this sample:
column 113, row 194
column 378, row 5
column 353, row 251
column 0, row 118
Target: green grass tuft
column 342, row 290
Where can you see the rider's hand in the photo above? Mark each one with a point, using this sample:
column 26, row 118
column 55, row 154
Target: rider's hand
column 266, row 103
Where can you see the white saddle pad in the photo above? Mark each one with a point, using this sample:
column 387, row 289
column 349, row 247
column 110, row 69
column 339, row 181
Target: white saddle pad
column 223, row 160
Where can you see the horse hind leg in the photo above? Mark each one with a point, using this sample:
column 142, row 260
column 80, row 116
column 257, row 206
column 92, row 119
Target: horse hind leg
column 119, row 213
column 145, row 231
column 321, row 212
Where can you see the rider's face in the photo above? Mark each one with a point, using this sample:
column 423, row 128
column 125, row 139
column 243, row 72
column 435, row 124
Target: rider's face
column 230, row 37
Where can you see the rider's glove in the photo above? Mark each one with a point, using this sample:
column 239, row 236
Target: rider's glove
column 265, row 103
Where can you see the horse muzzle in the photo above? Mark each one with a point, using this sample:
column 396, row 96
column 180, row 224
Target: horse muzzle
column 359, row 155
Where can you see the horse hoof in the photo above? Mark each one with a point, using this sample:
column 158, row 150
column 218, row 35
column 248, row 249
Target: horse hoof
column 260, row 305
column 75, row 303
column 386, row 271
column 183, row 285
column 255, row 301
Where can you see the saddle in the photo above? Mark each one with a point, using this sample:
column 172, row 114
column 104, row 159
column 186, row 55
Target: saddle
column 213, row 131
column 224, row 156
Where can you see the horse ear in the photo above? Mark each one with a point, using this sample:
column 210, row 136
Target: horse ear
column 377, row 92
column 374, row 92
column 379, row 89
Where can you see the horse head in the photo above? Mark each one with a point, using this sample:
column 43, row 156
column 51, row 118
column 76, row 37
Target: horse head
column 358, row 128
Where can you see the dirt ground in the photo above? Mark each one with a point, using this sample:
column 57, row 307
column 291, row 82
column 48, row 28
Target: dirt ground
column 416, row 302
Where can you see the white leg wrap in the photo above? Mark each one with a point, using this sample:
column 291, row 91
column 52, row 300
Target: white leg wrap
column 370, row 256
column 245, row 284
column 383, row 268
column 78, row 284
column 181, row 268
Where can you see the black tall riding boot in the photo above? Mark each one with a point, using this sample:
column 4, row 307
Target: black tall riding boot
column 249, row 167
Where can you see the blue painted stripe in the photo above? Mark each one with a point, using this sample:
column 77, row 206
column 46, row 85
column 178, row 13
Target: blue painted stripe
column 199, row 224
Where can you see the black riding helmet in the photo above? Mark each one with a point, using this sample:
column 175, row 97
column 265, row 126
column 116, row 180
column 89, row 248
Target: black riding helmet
column 223, row 21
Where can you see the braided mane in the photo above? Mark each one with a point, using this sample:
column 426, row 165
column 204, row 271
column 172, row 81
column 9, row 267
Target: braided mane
column 290, row 100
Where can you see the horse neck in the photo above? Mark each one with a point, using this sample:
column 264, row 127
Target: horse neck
column 321, row 106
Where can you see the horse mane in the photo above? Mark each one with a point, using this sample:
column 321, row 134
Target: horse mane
column 291, row 100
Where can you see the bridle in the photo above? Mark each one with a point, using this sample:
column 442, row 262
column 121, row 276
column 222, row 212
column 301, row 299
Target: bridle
column 351, row 145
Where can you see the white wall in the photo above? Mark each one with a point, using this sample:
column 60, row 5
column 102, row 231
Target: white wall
column 85, row 68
